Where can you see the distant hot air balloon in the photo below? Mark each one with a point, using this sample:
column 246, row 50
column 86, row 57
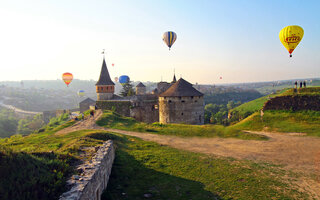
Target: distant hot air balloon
column 169, row 38
column 124, row 79
column 112, row 64
column 290, row 37
column 116, row 79
column 81, row 93
column 67, row 78
column 220, row 77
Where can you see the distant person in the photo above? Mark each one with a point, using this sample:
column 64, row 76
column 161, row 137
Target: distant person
column 82, row 116
column 300, row 84
column 296, row 84
column 91, row 113
column 76, row 118
column 304, row 84
column 95, row 107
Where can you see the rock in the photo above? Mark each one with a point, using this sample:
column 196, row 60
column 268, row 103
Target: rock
column 147, row 195
column 76, row 177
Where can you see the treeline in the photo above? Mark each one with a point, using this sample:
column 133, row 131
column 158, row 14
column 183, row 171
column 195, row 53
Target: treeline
column 10, row 124
column 218, row 114
column 220, row 100
column 222, row 95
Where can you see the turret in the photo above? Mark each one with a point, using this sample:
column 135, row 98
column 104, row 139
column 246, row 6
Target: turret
column 140, row 89
column 104, row 86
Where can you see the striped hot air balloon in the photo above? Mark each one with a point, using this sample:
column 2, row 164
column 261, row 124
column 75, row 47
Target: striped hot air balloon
column 81, row 93
column 67, row 78
column 169, row 38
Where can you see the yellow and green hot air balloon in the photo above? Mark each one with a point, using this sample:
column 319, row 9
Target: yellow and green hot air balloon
column 290, row 37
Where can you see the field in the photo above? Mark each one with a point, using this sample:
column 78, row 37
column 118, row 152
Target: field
column 113, row 120
column 283, row 121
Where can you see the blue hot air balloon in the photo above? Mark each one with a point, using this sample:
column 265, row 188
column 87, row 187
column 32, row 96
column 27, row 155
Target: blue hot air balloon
column 124, row 79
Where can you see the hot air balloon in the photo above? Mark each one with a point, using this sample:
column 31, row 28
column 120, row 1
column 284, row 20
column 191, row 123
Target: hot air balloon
column 81, row 93
column 116, row 79
column 220, row 77
column 112, row 64
column 169, row 38
column 67, row 78
column 290, row 37
column 124, row 79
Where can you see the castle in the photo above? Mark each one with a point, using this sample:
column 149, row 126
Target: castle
column 175, row 102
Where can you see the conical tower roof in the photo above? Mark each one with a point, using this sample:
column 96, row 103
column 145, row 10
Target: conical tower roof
column 140, row 85
column 104, row 75
column 182, row 88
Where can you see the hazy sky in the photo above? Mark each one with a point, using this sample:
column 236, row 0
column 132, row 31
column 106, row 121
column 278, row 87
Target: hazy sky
column 238, row 40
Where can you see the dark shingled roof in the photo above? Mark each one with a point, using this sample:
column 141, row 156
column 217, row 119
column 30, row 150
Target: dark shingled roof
column 140, row 85
column 104, row 75
column 182, row 88
column 88, row 100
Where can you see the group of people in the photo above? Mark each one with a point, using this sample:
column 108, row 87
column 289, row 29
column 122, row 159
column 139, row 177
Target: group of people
column 304, row 83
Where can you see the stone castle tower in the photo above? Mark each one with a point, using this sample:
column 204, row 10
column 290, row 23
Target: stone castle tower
column 140, row 89
column 181, row 103
column 104, row 86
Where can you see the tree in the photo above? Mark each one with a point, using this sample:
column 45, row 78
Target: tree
column 127, row 90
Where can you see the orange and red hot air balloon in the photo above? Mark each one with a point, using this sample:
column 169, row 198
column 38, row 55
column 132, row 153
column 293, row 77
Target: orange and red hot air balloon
column 67, row 78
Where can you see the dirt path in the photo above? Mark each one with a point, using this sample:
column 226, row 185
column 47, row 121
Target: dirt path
column 296, row 153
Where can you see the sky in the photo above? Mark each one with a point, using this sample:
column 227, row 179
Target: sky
column 237, row 40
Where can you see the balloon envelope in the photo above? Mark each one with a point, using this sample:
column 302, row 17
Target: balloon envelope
column 290, row 37
column 67, row 78
column 116, row 79
column 169, row 38
column 124, row 79
column 81, row 93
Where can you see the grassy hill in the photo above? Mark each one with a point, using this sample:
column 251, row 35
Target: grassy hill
column 281, row 120
column 140, row 167
column 246, row 109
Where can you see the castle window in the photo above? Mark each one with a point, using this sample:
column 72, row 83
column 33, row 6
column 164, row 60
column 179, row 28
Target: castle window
column 181, row 113
column 107, row 88
column 169, row 101
column 191, row 97
column 182, row 101
column 196, row 101
column 179, row 97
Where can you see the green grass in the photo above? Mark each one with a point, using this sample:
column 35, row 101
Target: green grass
column 283, row 121
column 142, row 167
column 246, row 109
column 37, row 166
column 302, row 91
column 113, row 120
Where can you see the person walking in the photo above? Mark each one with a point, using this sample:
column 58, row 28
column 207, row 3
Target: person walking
column 300, row 84
column 296, row 84
column 304, row 84
column 82, row 116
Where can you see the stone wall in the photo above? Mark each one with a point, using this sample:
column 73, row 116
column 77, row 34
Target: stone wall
column 94, row 176
column 188, row 110
column 121, row 107
column 145, row 108
column 294, row 102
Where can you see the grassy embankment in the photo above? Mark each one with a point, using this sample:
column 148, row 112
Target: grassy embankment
column 36, row 166
column 39, row 164
column 144, row 167
column 113, row 120
column 281, row 121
